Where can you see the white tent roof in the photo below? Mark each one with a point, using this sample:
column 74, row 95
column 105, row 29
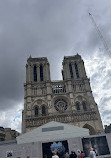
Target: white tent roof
column 52, row 131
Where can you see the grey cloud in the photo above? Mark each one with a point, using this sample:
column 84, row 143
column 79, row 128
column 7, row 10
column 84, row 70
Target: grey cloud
column 45, row 28
column 107, row 84
column 105, row 100
column 106, row 113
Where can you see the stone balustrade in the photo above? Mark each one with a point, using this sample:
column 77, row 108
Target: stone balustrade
column 58, row 87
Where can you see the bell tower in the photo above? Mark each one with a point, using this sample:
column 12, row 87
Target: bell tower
column 36, row 89
column 37, row 70
column 73, row 68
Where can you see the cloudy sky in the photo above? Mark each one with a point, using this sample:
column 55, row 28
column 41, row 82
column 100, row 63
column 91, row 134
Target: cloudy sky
column 52, row 29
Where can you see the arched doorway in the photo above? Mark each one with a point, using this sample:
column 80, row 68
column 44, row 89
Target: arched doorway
column 91, row 129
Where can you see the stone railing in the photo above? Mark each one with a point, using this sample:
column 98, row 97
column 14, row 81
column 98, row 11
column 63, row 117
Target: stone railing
column 58, row 87
column 64, row 118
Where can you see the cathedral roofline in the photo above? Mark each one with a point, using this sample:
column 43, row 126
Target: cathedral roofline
column 77, row 56
column 30, row 59
column 74, row 56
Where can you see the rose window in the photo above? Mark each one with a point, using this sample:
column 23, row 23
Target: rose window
column 60, row 105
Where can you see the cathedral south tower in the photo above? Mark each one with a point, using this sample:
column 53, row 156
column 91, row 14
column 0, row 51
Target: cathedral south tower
column 68, row 101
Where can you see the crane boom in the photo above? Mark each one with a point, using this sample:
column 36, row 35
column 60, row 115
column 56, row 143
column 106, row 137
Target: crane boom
column 99, row 33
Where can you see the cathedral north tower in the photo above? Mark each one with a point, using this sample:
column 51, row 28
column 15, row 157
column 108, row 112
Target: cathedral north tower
column 69, row 100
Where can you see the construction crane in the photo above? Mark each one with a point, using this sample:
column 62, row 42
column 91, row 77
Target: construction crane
column 100, row 35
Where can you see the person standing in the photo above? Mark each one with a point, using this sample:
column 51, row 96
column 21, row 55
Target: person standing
column 78, row 154
column 55, row 155
column 73, row 155
column 66, row 155
column 92, row 153
column 82, row 154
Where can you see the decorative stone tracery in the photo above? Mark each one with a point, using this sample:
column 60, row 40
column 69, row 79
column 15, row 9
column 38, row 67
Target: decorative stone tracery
column 60, row 105
column 65, row 118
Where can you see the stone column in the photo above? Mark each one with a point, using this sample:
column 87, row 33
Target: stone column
column 80, row 71
column 44, row 72
column 83, row 69
column 31, row 73
column 68, row 71
column 47, row 72
column 65, row 71
column 38, row 73
column 27, row 77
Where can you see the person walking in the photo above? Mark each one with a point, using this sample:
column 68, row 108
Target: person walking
column 73, row 155
column 92, row 153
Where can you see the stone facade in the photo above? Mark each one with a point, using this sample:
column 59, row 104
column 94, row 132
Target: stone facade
column 7, row 134
column 69, row 100
column 2, row 134
column 10, row 134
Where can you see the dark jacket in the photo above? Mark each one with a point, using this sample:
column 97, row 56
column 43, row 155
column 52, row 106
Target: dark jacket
column 73, row 155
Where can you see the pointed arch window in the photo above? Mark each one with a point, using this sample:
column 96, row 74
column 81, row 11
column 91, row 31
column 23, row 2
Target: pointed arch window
column 36, row 111
column 77, row 106
column 76, row 69
column 71, row 71
column 84, row 105
column 41, row 73
column 43, row 111
column 35, row 73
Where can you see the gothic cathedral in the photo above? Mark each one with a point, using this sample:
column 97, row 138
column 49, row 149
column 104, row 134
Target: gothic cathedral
column 68, row 101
